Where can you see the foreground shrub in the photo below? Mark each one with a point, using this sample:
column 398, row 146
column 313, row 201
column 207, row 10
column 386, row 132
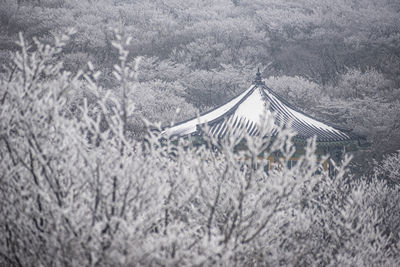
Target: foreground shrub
column 75, row 190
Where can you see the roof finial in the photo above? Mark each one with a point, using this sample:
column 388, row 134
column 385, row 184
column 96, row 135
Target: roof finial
column 258, row 80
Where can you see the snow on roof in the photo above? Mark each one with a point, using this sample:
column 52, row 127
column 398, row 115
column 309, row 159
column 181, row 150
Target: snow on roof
column 304, row 125
column 249, row 108
column 190, row 126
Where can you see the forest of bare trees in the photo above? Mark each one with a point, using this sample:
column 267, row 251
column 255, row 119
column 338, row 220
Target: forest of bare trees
column 83, row 183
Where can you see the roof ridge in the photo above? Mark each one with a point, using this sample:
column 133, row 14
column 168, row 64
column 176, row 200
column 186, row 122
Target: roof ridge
column 284, row 101
column 211, row 110
column 232, row 109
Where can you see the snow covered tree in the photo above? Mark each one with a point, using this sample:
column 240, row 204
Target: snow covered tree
column 75, row 190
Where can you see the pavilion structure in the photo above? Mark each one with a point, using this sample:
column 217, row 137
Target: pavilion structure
column 246, row 111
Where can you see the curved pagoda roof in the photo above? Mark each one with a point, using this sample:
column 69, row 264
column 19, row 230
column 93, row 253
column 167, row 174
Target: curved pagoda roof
column 247, row 110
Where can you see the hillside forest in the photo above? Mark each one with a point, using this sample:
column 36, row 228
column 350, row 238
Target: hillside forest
column 83, row 182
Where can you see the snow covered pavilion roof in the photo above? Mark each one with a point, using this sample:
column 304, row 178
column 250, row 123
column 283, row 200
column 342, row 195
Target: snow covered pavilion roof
column 249, row 108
